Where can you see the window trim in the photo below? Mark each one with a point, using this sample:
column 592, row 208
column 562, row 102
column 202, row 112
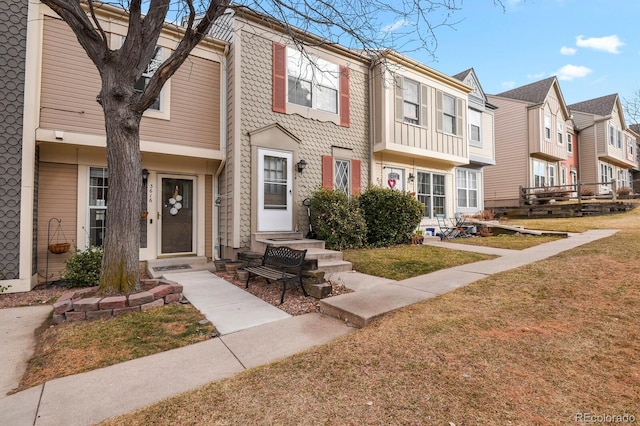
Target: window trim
column 430, row 195
column 570, row 143
column 467, row 188
column 547, row 127
column 97, row 206
column 315, row 63
column 478, row 114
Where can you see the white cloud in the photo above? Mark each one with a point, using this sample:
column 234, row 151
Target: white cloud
column 568, row 50
column 570, row 72
column 537, row 76
column 607, row 44
column 508, row 84
column 395, row 26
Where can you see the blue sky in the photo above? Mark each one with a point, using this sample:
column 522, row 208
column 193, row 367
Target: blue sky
column 592, row 46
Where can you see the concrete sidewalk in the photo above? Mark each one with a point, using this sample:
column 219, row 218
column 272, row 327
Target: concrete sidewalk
column 94, row 396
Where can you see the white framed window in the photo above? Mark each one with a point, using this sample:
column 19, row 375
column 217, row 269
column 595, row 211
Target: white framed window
column 619, row 139
column 630, row 146
column 547, row 127
column 449, row 114
column 573, row 175
column 312, row 82
column 612, row 135
column 411, row 101
column 467, row 188
column 563, row 175
column 622, row 179
column 552, row 175
column 342, row 175
column 143, row 81
column 606, row 173
column 431, row 192
column 569, row 143
column 539, row 173
column 560, row 127
column 475, row 128
column 98, row 187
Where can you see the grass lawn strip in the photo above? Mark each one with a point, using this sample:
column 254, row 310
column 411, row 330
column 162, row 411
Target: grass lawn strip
column 72, row 348
column 535, row 345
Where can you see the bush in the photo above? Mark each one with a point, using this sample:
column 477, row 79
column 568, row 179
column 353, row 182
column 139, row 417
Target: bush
column 391, row 216
column 83, row 268
column 587, row 191
column 337, row 219
column 625, row 190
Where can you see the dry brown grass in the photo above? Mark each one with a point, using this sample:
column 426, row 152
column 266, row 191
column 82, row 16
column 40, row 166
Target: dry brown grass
column 510, row 242
column 75, row 347
column 532, row 346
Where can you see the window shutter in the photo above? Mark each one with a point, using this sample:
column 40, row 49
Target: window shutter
column 460, row 110
column 279, row 87
column 424, row 111
column 327, row 172
column 399, row 99
column 356, row 176
column 439, row 110
column 344, row 96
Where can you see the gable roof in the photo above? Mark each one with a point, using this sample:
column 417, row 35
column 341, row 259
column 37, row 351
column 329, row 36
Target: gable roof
column 534, row 93
column 599, row 106
column 635, row 128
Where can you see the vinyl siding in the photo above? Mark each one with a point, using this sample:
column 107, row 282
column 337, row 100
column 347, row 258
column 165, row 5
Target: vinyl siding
column 57, row 197
column 502, row 181
column 70, row 84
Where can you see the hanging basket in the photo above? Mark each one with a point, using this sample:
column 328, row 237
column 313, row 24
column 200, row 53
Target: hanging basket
column 59, row 248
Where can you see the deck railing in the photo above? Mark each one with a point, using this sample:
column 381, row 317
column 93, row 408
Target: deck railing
column 578, row 191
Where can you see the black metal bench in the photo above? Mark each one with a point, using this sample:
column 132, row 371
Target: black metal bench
column 282, row 264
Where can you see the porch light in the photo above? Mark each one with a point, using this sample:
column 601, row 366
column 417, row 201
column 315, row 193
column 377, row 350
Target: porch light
column 145, row 176
column 301, row 165
column 411, row 178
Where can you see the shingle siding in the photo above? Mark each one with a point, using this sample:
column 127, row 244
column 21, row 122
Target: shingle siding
column 13, row 36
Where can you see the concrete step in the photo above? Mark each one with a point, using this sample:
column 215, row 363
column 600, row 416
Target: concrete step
column 260, row 245
column 157, row 268
column 323, row 254
column 331, row 266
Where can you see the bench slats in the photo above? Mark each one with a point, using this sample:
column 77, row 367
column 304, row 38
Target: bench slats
column 278, row 264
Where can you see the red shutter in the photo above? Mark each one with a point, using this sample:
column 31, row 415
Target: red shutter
column 327, row 172
column 279, row 88
column 344, row 96
column 356, row 176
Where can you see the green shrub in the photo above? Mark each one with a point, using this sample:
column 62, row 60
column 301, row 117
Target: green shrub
column 337, row 219
column 391, row 216
column 83, row 268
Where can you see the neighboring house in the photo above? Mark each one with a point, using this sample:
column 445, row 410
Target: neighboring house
column 17, row 178
column 607, row 145
column 64, row 161
column 297, row 120
column 421, row 134
column 535, row 141
column 481, row 136
column 635, row 172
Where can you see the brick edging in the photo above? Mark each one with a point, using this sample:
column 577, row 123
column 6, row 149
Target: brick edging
column 85, row 304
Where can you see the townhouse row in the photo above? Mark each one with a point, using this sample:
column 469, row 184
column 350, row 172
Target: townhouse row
column 249, row 127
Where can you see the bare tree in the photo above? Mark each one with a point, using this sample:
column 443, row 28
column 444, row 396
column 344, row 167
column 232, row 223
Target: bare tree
column 363, row 24
column 632, row 108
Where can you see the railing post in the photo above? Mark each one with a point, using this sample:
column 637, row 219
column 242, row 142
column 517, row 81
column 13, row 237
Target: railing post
column 522, row 196
column 614, row 190
column 579, row 190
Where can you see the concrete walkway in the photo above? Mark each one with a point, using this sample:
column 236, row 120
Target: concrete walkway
column 91, row 397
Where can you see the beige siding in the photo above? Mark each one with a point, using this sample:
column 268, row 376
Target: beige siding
column 392, row 134
column 502, row 181
column 486, row 151
column 70, row 84
column 57, row 197
column 316, row 137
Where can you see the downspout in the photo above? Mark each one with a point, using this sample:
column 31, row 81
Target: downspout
column 217, row 237
column 371, row 120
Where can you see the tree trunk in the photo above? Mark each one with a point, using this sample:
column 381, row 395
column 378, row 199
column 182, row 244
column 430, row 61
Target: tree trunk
column 120, row 270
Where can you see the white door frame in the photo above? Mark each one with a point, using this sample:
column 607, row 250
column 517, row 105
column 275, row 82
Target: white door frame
column 275, row 220
column 164, row 208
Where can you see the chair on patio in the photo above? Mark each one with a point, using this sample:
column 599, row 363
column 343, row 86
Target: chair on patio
column 447, row 228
